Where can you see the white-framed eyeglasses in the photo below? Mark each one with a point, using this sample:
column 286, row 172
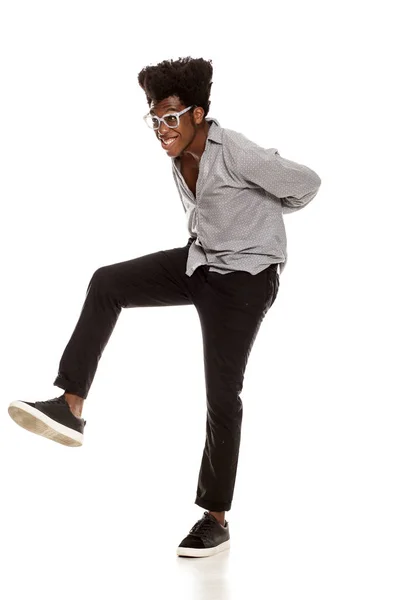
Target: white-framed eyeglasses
column 171, row 119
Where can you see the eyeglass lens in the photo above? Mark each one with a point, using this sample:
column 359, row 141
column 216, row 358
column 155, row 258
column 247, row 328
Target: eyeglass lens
column 172, row 121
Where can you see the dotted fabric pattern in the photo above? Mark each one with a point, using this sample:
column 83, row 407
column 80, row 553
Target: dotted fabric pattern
column 242, row 192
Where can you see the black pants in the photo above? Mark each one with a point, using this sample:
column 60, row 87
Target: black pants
column 230, row 306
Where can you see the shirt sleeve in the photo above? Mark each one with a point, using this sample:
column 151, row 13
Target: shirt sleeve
column 294, row 184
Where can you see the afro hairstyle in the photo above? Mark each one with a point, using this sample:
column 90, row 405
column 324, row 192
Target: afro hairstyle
column 188, row 78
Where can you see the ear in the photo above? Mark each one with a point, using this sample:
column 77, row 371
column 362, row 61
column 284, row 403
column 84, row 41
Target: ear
column 198, row 115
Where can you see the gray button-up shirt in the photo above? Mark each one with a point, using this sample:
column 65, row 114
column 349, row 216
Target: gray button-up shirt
column 242, row 191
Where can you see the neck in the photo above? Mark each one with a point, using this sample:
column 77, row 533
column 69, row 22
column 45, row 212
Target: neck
column 194, row 151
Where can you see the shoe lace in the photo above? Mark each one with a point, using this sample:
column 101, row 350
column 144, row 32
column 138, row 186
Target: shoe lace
column 59, row 400
column 203, row 526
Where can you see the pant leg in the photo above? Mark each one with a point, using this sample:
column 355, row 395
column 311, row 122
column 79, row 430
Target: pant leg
column 231, row 309
column 156, row 279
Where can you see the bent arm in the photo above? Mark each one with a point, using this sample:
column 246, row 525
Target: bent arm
column 294, row 184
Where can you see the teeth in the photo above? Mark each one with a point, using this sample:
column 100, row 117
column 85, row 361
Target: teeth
column 170, row 141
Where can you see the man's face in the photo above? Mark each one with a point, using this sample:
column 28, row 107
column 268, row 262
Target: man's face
column 184, row 134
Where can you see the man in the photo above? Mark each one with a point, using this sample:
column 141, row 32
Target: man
column 233, row 193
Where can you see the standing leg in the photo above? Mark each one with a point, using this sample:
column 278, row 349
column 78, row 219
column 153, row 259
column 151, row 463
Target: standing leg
column 231, row 311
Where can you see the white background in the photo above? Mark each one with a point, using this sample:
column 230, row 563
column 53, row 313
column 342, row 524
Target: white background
column 84, row 184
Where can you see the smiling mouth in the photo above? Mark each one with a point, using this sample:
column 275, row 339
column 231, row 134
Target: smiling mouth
column 168, row 142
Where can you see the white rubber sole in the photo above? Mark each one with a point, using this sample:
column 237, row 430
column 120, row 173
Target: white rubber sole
column 35, row 421
column 199, row 552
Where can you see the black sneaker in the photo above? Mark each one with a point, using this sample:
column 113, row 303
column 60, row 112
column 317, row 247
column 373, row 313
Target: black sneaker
column 207, row 537
column 52, row 419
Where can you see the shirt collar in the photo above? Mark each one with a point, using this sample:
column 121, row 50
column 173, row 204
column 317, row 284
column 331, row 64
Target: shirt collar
column 214, row 132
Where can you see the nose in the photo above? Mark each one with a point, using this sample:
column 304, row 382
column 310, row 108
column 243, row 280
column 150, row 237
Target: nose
column 163, row 128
